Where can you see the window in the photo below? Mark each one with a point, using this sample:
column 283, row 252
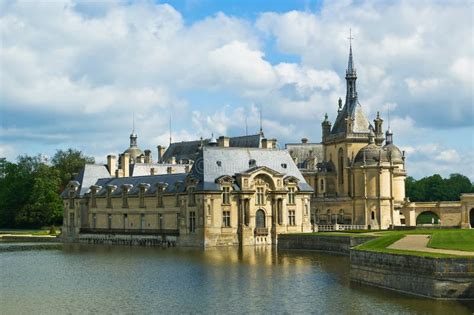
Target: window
column 291, row 195
column 284, row 165
column 321, row 185
column 109, row 197
column 226, row 218
column 191, row 197
column 124, row 198
column 94, row 220
column 192, row 222
column 178, row 217
column 260, row 200
column 109, row 221
column 226, row 195
column 125, row 221
column 93, row 199
column 372, row 216
column 160, row 221
column 291, row 217
column 177, row 200
column 219, row 163
column 159, row 200
column 142, row 221
column 71, row 200
column 252, row 163
column 142, row 197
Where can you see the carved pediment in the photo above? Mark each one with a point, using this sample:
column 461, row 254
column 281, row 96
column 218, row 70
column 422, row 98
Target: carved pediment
column 225, row 179
column 291, row 180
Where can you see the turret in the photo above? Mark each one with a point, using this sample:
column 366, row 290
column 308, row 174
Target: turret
column 378, row 129
column 326, row 126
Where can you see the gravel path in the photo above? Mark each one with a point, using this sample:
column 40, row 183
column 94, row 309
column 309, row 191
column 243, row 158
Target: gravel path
column 419, row 243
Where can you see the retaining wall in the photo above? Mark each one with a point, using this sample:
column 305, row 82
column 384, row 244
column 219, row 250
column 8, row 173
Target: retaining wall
column 439, row 278
column 335, row 244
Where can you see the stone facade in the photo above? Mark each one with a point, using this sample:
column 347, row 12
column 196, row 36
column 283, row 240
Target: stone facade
column 231, row 196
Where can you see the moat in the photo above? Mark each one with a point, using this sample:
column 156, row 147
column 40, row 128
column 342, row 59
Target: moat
column 121, row 279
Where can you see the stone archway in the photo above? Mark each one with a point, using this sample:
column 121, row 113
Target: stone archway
column 471, row 218
column 427, row 217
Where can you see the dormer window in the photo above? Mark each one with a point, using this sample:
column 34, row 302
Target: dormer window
column 252, row 163
column 260, row 196
column 284, row 165
column 219, row 163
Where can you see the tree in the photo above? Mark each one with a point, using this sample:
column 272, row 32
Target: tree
column 436, row 188
column 69, row 163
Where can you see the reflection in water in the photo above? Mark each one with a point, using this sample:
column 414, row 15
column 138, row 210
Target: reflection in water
column 108, row 279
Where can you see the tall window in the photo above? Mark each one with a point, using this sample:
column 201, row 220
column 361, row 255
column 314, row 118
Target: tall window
column 226, row 195
column 192, row 221
column 291, row 195
column 94, row 220
column 260, row 200
column 341, row 166
column 71, row 200
column 109, row 221
column 142, row 221
column 93, row 199
column 291, row 217
column 191, row 197
column 109, row 198
column 124, row 198
column 160, row 221
column 125, row 221
column 142, row 197
column 321, row 185
column 177, row 200
column 159, row 198
column 226, row 218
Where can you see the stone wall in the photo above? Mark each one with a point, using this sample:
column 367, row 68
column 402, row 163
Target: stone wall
column 439, row 278
column 336, row 244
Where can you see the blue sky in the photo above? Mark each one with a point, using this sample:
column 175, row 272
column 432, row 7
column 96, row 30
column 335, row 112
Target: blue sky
column 72, row 73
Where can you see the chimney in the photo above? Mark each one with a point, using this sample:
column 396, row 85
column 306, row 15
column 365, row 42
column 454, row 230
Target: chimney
column 125, row 165
column 152, row 171
column 173, row 160
column 264, row 143
column 141, row 159
column 304, row 140
column 111, row 164
column 148, row 156
column 223, row 142
column 161, row 152
column 269, row 143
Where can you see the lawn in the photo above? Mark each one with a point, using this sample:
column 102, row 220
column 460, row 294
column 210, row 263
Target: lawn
column 446, row 239
column 455, row 239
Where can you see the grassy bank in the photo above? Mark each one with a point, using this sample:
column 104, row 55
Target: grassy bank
column 442, row 239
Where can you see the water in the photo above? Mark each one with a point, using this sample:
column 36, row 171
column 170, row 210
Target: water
column 136, row 280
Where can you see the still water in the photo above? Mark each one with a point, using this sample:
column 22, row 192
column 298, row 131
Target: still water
column 136, row 280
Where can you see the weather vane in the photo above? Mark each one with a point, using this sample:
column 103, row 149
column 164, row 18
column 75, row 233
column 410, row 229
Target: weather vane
column 350, row 38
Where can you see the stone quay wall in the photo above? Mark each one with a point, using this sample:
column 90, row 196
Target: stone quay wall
column 437, row 278
column 29, row 239
column 334, row 244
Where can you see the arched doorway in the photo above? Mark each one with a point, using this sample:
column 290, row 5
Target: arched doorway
column 260, row 219
column 471, row 218
column 427, row 217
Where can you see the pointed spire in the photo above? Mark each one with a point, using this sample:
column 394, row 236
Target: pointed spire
column 261, row 126
column 133, row 135
column 350, row 64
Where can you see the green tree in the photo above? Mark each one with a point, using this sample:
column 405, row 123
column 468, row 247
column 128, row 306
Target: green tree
column 69, row 163
column 436, row 188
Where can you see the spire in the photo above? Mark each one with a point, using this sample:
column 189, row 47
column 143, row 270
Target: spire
column 351, row 75
column 133, row 135
column 261, row 126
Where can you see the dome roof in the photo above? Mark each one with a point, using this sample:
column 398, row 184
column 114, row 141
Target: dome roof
column 134, row 152
column 394, row 153
column 372, row 153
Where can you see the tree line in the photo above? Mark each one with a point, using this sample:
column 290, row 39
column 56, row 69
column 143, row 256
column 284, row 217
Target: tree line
column 30, row 188
column 436, row 188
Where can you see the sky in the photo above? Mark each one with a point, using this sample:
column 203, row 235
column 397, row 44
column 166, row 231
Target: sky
column 74, row 73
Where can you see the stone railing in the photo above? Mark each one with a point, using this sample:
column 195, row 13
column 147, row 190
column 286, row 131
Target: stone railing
column 169, row 232
column 261, row 231
column 338, row 227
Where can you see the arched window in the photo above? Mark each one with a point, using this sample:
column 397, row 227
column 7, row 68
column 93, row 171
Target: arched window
column 340, row 159
column 372, row 215
column 260, row 219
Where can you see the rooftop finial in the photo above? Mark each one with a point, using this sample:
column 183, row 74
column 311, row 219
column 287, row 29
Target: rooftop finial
column 170, row 129
column 261, row 127
column 133, row 122
column 350, row 65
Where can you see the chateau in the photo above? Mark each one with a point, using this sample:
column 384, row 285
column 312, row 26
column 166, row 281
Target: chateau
column 245, row 191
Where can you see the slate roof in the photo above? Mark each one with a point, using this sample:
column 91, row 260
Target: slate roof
column 305, row 151
column 214, row 162
column 351, row 109
column 88, row 176
column 189, row 150
column 144, row 169
column 175, row 183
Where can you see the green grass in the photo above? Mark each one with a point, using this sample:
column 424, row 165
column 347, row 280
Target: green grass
column 455, row 239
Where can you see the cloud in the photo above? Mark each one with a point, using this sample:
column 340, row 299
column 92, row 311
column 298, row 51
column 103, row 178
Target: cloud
column 74, row 72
